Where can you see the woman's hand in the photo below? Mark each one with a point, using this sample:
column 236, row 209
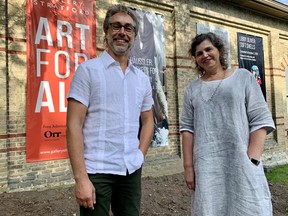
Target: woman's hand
column 189, row 176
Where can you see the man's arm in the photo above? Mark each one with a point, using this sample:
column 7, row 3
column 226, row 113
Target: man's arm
column 84, row 190
column 147, row 131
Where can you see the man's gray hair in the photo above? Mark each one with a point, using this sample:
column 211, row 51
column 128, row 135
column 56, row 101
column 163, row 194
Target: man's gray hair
column 119, row 9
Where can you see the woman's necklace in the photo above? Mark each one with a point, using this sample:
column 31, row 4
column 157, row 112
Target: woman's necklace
column 214, row 92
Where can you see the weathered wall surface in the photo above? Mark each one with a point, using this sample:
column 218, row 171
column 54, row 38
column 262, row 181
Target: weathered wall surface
column 181, row 18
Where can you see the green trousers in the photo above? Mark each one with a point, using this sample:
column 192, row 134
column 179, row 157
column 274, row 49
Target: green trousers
column 122, row 193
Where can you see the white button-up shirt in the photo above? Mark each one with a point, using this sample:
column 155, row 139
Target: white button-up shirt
column 114, row 101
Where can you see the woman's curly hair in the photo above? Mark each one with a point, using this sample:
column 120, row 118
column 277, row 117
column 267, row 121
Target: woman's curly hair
column 216, row 41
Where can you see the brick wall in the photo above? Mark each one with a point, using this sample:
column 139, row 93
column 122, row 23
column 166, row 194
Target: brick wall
column 181, row 18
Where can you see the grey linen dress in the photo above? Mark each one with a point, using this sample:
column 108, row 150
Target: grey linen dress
column 227, row 182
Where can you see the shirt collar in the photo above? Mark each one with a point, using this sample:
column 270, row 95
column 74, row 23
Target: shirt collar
column 109, row 61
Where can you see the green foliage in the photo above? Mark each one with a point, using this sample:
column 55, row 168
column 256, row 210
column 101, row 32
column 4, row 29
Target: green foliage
column 278, row 174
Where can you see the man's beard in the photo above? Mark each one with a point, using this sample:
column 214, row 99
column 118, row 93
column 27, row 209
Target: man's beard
column 118, row 49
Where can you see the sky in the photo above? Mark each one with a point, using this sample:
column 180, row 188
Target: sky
column 285, row 2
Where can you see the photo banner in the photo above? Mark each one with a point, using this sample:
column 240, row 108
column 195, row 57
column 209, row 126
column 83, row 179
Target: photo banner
column 251, row 57
column 60, row 35
column 148, row 54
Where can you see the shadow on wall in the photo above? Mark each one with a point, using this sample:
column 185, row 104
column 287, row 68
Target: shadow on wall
column 13, row 19
column 13, row 60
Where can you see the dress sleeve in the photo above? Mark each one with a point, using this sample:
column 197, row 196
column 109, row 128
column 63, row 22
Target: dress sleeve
column 187, row 116
column 259, row 115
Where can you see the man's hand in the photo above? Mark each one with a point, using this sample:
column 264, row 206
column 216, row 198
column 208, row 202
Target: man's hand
column 85, row 193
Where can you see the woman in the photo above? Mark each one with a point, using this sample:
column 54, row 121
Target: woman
column 224, row 124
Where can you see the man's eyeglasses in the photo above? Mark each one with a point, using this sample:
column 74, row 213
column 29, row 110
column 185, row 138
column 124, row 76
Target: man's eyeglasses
column 128, row 28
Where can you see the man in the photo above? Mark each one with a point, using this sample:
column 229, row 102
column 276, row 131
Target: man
column 106, row 98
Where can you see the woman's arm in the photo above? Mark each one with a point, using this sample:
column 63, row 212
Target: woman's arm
column 187, row 149
column 256, row 143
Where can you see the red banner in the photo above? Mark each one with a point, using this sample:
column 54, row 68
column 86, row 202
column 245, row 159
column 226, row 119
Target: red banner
column 60, row 35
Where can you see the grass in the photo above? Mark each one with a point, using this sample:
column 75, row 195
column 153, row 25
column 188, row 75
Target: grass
column 278, row 174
